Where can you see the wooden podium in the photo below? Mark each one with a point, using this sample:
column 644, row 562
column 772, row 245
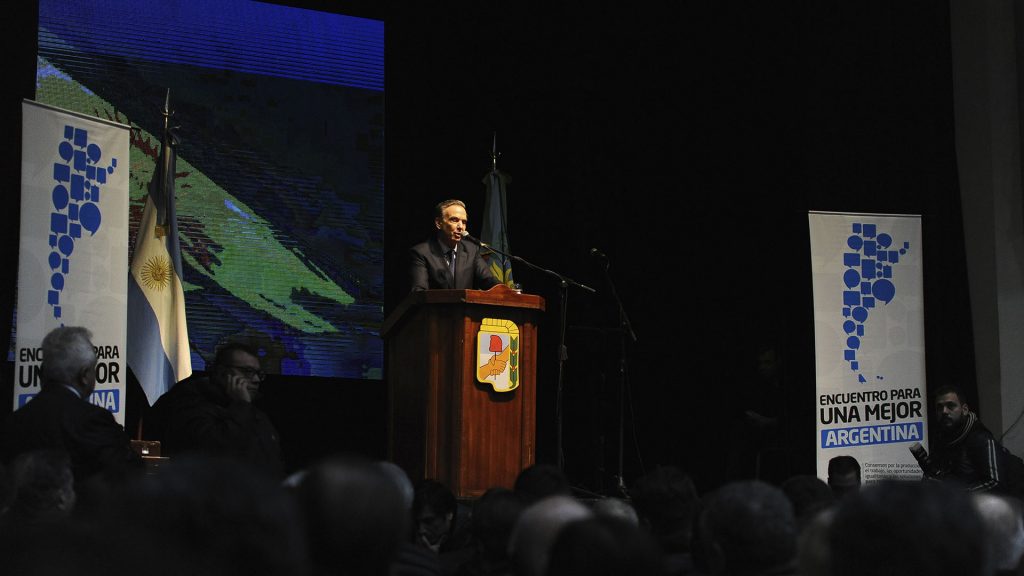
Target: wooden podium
column 443, row 423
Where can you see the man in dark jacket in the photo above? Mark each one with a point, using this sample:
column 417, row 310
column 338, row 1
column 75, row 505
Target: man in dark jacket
column 216, row 416
column 444, row 260
column 61, row 418
column 966, row 452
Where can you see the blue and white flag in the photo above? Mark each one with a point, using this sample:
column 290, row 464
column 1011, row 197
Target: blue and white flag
column 158, row 349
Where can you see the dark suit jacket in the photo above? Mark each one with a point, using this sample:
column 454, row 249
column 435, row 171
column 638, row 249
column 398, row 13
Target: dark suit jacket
column 57, row 419
column 428, row 269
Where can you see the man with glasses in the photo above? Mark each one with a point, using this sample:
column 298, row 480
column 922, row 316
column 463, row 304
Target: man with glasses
column 216, row 415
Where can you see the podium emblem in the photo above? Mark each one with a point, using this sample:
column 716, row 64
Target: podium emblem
column 497, row 353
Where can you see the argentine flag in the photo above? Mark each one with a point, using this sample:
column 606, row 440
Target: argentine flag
column 158, row 350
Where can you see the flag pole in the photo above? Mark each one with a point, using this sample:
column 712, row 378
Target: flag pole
column 165, row 194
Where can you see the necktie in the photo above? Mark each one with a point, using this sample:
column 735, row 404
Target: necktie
column 451, row 265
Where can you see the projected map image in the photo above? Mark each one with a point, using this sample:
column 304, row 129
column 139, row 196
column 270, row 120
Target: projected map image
column 279, row 177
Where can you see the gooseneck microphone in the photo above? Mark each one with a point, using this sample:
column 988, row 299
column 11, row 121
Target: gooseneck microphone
column 474, row 240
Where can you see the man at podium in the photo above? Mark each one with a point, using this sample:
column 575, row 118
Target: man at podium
column 444, row 260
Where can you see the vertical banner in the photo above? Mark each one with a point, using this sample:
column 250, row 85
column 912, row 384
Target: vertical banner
column 871, row 400
column 73, row 258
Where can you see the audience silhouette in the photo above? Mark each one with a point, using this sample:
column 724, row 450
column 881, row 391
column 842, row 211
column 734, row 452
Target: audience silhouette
column 908, row 529
column 537, row 529
column 540, row 481
column 210, row 515
column 42, row 486
column 809, row 495
column 348, row 515
column 746, row 528
column 410, row 559
column 666, row 501
column 434, row 513
column 843, row 475
column 612, row 507
column 604, row 546
column 494, row 515
column 1005, row 530
column 198, row 516
column 355, row 515
column 813, row 555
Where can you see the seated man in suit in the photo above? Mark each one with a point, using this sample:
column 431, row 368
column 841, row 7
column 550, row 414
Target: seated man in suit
column 61, row 417
column 444, row 260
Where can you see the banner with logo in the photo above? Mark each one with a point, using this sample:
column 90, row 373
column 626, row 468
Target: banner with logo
column 869, row 344
column 73, row 259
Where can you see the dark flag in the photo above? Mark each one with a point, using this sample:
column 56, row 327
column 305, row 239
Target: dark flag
column 495, row 224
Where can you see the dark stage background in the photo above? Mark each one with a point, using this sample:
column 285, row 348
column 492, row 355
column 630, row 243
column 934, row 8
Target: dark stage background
column 687, row 141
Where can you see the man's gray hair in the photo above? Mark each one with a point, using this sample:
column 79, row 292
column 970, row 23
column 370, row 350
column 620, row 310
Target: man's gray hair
column 66, row 352
column 439, row 208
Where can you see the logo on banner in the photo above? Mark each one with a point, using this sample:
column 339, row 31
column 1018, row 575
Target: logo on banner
column 75, row 198
column 868, row 280
column 497, row 345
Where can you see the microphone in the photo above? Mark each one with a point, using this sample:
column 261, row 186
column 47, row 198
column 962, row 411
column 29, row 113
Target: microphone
column 598, row 254
column 474, row 240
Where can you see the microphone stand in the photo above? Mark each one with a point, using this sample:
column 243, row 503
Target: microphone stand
column 564, row 282
column 625, row 328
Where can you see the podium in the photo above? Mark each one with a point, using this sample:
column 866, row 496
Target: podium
column 444, row 424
